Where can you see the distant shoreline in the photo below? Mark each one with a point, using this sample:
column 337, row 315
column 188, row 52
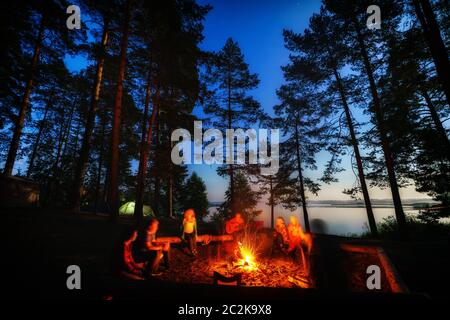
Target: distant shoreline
column 376, row 203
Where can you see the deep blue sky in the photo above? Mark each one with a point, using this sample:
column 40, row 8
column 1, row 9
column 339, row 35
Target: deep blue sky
column 257, row 27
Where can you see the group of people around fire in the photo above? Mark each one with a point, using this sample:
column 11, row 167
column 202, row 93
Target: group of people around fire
column 141, row 252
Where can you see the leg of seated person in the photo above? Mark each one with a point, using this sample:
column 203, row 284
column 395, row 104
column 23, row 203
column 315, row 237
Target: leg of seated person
column 156, row 260
column 276, row 245
column 166, row 256
column 194, row 245
column 189, row 242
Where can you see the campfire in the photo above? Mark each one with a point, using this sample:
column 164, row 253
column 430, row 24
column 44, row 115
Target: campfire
column 246, row 253
column 247, row 260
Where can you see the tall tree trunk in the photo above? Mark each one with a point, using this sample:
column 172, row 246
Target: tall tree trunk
column 68, row 129
column 354, row 141
column 438, row 50
column 145, row 148
column 113, row 194
column 399, row 213
column 272, row 215
column 106, row 186
column 157, row 185
column 170, row 179
column 170, row 192
column 59, row 150
column 300, row 176
column 38, row 140
column 77, row 137
column 20, row 122
column 55, row 167
column 83, row 159
column 100, row 161
column 231, row 147
column 437, row 121
column 138, row 208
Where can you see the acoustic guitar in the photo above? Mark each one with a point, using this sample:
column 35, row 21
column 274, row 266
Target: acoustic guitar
column 233, row 226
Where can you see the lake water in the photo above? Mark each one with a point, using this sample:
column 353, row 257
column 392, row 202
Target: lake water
column 332, row 220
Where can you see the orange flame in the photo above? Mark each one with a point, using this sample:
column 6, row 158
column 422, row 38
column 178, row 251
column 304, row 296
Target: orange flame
column 248, row 261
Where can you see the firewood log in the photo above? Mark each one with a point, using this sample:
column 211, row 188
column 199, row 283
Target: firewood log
column 299, row 282
column 205, row 238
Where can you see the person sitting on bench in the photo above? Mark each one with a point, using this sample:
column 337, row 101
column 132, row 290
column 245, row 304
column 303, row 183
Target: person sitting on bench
column 280, row 236
column 236, row 226
column 149, row 251
column 124, row 263
column 299, row 241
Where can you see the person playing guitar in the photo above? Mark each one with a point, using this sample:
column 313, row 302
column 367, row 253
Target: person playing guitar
column 235, row 225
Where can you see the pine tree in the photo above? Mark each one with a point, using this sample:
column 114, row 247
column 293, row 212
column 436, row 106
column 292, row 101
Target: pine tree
column 113, row 193
column 299, row 120
column 414, row 111
column 320, row 56
column 244, row 200
column 277, row 187
column 354, row 19
column 103, row 13
column 229, row 79
column 195, row 195
column 173, row 37
column 53, row 38
column 430, row 26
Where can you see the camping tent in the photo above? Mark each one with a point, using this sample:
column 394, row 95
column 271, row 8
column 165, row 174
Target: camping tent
column 128, row 209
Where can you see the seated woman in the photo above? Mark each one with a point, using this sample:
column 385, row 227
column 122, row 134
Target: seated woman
column 298, row 239
column 123, row 262
column 190, row 231
column 296, row 234
column 147, row 250
column 280, row 236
